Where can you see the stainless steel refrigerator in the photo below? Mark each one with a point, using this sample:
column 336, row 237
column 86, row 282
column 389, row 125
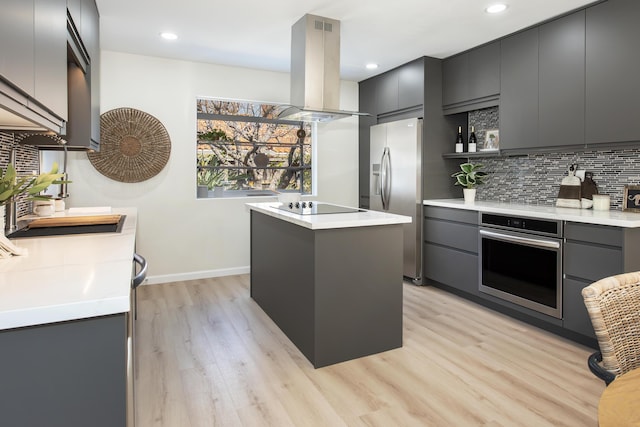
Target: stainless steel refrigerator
column 395, row 166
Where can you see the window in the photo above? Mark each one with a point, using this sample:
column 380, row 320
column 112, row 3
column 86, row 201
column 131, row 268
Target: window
column 244, row 149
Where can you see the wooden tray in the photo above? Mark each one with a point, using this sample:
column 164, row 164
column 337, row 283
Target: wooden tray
column 66, row 221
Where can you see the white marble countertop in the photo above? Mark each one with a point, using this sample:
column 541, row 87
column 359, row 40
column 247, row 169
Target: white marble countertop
column 68, row 277
column 611, row 217
column 328, row 221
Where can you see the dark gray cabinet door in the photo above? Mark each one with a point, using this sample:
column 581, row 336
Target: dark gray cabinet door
column 17, row 44
column 366, row 104
column 91, row 39
column 411, row 84
column 455, row 79
column 68, row 374
column 561, row 92
column 387, row 92
column 574, row 312
column 75, row 10
column 51, row 55
column 484, row 71
column 519, row 90
column 612, row 72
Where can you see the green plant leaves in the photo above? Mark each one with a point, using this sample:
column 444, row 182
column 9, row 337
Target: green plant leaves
column 469, row 175
column 11, row 185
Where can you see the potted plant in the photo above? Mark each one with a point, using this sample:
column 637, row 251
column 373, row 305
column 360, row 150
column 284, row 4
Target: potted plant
column 207, row 177
column 12, row 185
column 469, row 176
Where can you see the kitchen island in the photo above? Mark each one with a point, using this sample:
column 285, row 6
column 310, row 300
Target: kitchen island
column 332, row 283
column 64, row 318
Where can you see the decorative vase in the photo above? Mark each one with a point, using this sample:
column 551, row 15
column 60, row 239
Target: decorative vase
column 469, row 195
column 2, row 211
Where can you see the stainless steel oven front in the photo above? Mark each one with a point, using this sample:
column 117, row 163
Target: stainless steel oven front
column 521, row 261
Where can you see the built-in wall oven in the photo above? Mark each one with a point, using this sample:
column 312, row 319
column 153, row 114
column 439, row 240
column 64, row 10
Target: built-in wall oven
column 521, row 261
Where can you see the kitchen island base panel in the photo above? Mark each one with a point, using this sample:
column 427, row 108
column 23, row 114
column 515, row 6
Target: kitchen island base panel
column 335, row 293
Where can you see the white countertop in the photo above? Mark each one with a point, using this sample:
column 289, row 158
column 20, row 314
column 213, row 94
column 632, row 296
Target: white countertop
column 612, row 217
column 68, row 277
column 329, row 221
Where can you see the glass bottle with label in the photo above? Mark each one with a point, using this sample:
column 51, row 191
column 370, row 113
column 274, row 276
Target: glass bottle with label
column 459, row 141
column 472, row 140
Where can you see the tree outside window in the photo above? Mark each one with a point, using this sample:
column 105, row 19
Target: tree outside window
column 243, row 147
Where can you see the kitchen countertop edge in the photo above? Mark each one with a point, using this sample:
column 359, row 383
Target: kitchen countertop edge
column 366, row 218
column 66, row 278
column 588, row 216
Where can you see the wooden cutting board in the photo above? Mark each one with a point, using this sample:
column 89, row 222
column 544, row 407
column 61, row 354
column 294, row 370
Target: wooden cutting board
column 66, row 221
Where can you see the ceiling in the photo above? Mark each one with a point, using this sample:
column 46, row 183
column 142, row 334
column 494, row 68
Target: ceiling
column 257, row 34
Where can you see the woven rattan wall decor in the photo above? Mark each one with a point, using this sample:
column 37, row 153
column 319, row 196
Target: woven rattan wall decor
column 134, row 145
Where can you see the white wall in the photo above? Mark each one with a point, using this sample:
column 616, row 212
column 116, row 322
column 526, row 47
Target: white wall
column 182, row 237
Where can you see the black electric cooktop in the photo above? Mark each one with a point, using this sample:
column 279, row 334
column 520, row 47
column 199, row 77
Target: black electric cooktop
column 315, row 208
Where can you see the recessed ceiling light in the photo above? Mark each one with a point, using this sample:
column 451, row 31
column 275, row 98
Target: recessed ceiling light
column 496, row 8
column 168, row 36
column 371, row 66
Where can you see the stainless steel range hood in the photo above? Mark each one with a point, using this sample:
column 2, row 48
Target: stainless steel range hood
column 315, row 71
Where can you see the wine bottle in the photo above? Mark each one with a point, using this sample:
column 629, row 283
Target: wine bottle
column 472, row 140
column 459, row 141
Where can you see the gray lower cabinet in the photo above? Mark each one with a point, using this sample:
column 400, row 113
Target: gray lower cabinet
column 451, row 248
column 519, row 91
column 69, row 374
column 612, row 64
column 593, row 252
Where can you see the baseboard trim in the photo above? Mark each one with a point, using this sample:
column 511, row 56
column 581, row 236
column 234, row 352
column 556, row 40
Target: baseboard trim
column 194, row 275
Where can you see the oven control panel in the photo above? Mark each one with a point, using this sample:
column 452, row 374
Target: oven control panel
column 548, row 227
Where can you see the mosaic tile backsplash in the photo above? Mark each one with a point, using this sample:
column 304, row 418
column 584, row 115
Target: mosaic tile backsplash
column 27, row 161
column 535, row 178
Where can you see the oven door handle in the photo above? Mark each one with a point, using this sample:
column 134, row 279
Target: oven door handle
column 521, row 240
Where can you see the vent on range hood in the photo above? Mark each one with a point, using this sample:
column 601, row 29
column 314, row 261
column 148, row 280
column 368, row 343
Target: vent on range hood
column 315, row 71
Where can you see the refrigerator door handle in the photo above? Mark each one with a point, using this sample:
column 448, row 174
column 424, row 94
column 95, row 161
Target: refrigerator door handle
column 385, row 178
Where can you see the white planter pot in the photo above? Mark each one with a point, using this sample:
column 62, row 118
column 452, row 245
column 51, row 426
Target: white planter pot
column 469, row 195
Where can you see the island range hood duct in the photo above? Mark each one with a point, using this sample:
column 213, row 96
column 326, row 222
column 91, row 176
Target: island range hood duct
column 315, row 71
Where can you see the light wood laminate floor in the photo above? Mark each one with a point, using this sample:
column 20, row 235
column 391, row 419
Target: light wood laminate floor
column 207, row 355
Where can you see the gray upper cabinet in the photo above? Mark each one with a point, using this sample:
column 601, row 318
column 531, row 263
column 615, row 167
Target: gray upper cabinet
column 91, row 38
column 401, row 88
column 83, row 129
column 484, row 71
column 387, row 92
column 33, row 62
column 455, row 79
column 561, row 80
column 74, row 8
column 411, row 84
column 51, row 55
column 471, row 80
column 17, row 44
column 612, row 72
column 519, row 91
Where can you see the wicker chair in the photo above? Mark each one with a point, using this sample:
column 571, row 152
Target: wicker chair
column 613, row 304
